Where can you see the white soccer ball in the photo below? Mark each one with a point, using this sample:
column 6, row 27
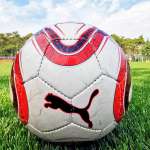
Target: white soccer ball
column 71, row 82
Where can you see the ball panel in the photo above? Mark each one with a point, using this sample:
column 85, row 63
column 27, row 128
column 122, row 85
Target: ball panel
column 109, row 59
column 71, row 132
column 69, row 42
column 30, row 60
column 102, row 45
column 57, row 29
column 69, row 30
column 41, row 117
column 83, row 28
column 119, row 98
column 19, row 92
column 101, row 106
column 70, row 80
column 108, row 129
column 66, row 55
column 69, row 46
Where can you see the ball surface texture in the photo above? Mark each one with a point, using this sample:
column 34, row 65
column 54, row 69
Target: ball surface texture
column 70, row 82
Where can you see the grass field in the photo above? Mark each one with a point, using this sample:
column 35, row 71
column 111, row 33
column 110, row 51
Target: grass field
column 132, row 133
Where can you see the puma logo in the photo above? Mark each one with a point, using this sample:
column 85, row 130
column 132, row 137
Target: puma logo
column 55, row 102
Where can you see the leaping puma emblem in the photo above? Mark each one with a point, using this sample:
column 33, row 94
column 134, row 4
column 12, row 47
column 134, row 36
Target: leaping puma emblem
column 55, row 102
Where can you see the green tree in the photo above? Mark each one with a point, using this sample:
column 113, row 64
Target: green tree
column 130, row 46
column 10, row 43
column 146, row 49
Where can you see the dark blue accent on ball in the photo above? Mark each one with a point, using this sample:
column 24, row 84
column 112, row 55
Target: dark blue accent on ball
column 69, row 49
column 102, row 32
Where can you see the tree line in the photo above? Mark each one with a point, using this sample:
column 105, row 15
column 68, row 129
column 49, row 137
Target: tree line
column 134, row 47
column 10, row 43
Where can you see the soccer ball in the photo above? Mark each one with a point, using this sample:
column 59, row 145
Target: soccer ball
column 70, row 82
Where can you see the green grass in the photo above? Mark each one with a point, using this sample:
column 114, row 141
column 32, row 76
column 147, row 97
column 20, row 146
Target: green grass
column 132, row 133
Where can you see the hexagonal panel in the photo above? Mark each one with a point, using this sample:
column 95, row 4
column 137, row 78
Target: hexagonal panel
column 41, row 117
column 109, row 58
column 70, row 80
column 101, row 106
column 30, row 59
